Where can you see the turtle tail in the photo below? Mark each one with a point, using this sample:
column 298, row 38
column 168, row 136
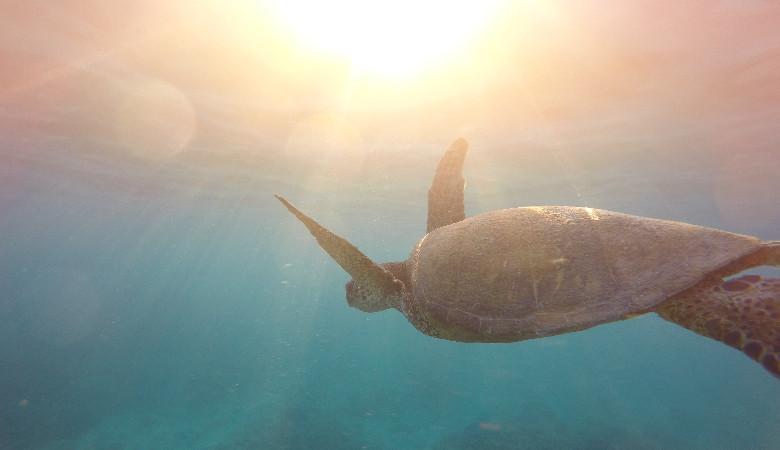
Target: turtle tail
column 743, row 313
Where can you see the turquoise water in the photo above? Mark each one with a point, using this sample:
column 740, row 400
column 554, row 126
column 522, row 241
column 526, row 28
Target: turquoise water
column 156, row 295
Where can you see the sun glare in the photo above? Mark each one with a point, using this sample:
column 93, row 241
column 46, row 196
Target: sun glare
column 387, row 39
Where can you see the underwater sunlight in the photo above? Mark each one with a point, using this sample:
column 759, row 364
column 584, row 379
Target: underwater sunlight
column 154, row 293
column 388, row 39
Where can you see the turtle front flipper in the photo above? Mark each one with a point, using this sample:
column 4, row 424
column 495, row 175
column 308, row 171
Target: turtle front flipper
column 445, row 197
column 377, row 288
column 743, row 313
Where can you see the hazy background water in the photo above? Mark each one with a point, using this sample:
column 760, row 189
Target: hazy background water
column 153, row 293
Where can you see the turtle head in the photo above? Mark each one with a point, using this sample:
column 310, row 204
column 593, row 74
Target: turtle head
column 367, row 301
column 373, row 287
column 364, row 299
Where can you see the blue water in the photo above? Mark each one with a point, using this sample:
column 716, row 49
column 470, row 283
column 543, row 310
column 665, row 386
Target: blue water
column 154, row 294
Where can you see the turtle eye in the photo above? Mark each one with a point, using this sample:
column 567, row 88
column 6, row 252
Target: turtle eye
column 359, row 298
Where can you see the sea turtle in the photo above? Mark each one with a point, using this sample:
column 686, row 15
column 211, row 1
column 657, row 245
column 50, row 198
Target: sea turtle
column 530, row 272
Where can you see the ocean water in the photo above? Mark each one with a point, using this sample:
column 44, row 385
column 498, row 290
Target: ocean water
column 154, row 294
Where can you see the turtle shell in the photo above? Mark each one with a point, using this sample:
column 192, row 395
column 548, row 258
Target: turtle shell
column 530, row 272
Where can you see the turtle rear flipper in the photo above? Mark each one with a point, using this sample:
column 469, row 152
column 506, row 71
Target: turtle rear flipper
column 743, row 313
column 445, row 197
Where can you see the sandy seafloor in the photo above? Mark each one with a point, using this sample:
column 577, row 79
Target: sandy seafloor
column 168, row 301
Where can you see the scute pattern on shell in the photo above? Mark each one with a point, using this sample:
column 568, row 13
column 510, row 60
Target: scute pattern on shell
column 531, row 272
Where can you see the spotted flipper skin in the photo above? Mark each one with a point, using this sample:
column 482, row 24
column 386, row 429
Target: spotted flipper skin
column 445, row 197
column 743, row 313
